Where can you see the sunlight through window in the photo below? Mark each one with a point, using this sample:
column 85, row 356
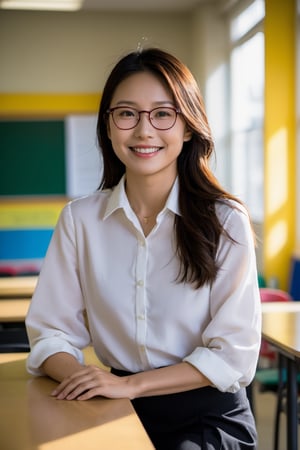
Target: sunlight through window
column 247, row 19
column 247, row 116
column 277, row 238
column 277, row 161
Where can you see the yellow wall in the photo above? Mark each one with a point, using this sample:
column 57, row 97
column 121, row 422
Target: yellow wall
column 26, row 105
column 280, row 139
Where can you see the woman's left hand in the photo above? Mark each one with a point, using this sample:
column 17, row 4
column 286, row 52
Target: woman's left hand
column 90, row 382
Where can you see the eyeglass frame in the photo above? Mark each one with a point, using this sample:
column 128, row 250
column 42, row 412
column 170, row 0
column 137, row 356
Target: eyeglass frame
column 176, row 110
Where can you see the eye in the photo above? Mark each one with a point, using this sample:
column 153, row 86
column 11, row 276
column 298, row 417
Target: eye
column 163, row 113
column 125, row 113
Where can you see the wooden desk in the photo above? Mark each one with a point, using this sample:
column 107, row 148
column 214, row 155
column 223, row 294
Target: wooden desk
column 17, row 286
column 13, row 310
column 30, row 419
column 281, row 328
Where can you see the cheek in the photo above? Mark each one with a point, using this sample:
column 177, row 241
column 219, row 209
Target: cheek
column 119, row 138
column 180, row 138
column 113, row 136
column 116, row 140
column 118, row 145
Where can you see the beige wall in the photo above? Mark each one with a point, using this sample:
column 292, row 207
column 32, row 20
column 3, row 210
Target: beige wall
column 73, row 52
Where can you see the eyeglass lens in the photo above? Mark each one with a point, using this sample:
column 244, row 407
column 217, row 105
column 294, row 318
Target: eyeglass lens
column 161, row 118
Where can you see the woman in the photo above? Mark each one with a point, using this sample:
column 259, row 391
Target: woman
column 161, row 260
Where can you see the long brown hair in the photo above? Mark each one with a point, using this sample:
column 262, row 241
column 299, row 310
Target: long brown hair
column 197, row 229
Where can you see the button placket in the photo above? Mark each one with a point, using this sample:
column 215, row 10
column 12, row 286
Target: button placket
column 141, row 264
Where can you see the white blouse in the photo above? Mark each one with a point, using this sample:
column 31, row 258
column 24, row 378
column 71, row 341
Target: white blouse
column 100, row 265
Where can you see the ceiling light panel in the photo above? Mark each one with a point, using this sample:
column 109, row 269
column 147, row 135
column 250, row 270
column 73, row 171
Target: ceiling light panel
column 45, row 5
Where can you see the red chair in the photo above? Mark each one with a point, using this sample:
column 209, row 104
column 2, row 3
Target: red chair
column 267, row 354
column 274, row 295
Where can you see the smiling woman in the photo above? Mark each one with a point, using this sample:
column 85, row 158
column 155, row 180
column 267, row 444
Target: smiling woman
column 161, row 260
column 151, row 129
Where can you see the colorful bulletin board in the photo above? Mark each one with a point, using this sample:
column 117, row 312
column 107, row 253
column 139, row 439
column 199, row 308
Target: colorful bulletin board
column 38, row 161
column 25, row 232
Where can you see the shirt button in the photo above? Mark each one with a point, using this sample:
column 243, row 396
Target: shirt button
column 141, row 317
column 140, row 283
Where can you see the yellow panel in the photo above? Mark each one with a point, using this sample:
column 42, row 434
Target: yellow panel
column 30, row 215
column 280, row 139
column 19, row 104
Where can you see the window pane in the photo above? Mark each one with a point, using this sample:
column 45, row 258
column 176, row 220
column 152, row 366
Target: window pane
column 247, row 169
column 247, row 19
column 247, row 83
column 247, row 100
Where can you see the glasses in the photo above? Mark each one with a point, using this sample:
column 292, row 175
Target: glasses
column 162, row 118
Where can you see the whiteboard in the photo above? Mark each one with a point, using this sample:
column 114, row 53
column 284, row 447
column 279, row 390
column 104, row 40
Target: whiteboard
column 83, row 159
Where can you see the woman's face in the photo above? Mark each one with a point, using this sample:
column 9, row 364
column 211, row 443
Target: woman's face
column 145, row 150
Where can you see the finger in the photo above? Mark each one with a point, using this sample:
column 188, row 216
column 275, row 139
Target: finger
column 81, row 383
column 72, row 378
column 72, row 387
column 86, row 390
column 95, row 392
column 61, row 387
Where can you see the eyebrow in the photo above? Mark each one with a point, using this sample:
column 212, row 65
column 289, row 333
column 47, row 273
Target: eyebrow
column 133, row 104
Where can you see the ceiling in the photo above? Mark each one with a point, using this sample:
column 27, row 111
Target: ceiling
column 142, row 5
column 113, row 5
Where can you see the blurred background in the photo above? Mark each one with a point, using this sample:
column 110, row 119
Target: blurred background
column 54, row 59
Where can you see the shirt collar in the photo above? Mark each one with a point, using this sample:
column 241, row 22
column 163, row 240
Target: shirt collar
column 118, row 199
column 172, row 200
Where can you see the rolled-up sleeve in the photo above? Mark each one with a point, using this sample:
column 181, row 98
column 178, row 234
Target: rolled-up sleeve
column 231, row 340
column 56, row 318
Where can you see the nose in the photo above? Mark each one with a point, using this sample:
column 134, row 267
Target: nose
column 144, row 126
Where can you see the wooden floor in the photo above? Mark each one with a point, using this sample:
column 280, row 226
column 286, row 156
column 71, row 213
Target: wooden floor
column 265, row 413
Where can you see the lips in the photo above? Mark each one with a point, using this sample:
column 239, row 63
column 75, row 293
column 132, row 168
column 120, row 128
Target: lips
column 145, row 150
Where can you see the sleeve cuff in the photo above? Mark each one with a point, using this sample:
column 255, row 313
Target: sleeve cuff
column 222, row 376
column 45, row 348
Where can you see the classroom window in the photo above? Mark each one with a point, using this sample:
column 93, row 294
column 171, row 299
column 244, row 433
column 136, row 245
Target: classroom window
column 247, row 19
column 247, row 109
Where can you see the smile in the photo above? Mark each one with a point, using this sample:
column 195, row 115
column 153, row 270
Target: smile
column 145, row 151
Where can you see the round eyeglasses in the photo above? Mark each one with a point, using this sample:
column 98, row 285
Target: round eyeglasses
column 161, row 118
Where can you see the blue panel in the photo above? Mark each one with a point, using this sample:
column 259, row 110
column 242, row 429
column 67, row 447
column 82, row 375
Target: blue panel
column 294, row 288
column 24, row 244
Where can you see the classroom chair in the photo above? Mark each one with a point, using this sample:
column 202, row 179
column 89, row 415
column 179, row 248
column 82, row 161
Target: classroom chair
column 13, row 338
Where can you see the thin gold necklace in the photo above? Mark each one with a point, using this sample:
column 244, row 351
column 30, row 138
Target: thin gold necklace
column 146, row 219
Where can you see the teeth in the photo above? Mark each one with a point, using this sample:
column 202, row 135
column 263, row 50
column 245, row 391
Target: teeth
column 145, row 150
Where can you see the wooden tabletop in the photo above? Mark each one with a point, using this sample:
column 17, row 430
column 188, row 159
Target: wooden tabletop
column 281, row 326
column 17, row 286
column 13, row 310
column 30, row 419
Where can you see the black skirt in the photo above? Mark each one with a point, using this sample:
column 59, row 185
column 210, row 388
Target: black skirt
column 200, row 419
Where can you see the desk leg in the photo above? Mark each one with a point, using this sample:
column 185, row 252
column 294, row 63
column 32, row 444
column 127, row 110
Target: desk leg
column 292, row 405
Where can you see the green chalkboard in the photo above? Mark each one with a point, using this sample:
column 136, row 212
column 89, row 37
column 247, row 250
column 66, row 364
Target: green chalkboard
column 32, row 157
